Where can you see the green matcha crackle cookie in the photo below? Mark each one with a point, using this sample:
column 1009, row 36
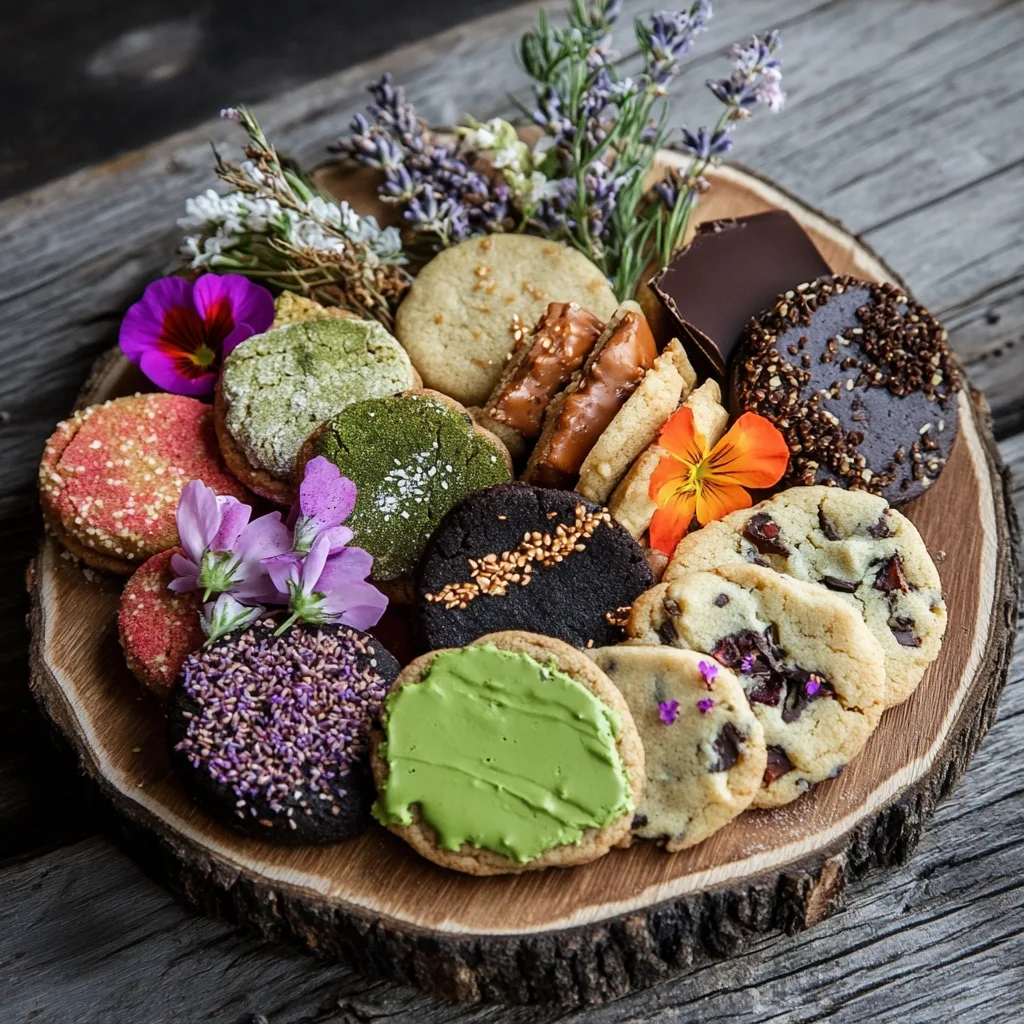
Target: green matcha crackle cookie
column 412, row 458
column 512, row 754
column 277, row 387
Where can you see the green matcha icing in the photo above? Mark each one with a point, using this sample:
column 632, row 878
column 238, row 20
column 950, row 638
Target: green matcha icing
column 412, row 458
column 280, row 386
column 501, row 752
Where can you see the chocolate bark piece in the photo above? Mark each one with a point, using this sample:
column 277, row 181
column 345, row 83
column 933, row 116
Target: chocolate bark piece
column 732, row 271
column 579, row 415
column 542, row 366
column 859, row 380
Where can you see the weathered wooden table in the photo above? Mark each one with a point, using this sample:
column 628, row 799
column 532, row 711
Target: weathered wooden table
column 905, row 123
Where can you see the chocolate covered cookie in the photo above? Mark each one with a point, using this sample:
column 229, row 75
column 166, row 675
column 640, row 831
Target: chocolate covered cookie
column 521, row 557
column 859, row 379
column 271, row 734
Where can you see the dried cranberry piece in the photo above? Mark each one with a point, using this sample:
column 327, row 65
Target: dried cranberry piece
column 727, row 746
column 881, row 529
column 903, row 629
column 763, row 532
column 845, row 586
column 890, row 577
column 767, row 691
column 827, row 526
column 778, row 765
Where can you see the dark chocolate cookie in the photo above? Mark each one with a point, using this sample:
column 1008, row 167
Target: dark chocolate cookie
column 529, row 558
column 859, row 379
column 271, row 735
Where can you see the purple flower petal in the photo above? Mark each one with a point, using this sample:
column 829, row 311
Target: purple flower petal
column 263, row 538
column 313, row 564
column 234, row 515
column 249, row 303
column 367, row 605
column 240, row 333
column 283, row 569
column 143, row 323
column 326, row 498
column 198, row 518
column 163, row 371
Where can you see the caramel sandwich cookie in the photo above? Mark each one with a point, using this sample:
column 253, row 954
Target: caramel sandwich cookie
column 520, row 557
column 112, row 474
column 541, row 365
column 158, row 628
column 813, row 674
column 636, row 424
column 579, row 415
column 473, row 301
column 860, row 381
column 631, row 503
column 853, row 544
column 277, row 387
column 513, row 754
column 291, row 764
column 704, row 748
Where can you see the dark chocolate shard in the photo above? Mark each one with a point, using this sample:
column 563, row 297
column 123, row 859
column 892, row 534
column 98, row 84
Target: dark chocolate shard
column 881, row 529
column 732, row 271
column 639, row 820
column 667, row 632
column 778, row 765
column 721, row 600
column 827, row 526
column 890, row 577
column 764, row 533
column 727, row 746
column 845, row 586
column 903, row 629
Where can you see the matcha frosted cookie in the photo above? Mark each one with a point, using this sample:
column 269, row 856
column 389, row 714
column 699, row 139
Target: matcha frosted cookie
column 704, row 748
column 276, row 388
column 812, row 672
column 412, row 458
column 512, row 754
column 473, row 302
column 851, row 542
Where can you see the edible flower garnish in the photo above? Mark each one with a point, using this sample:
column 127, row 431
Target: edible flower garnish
column 704, row 705
column 708, row 672
column 813, row 686
column 179, row 332
column 220, row 617
column 326, row 499
column 668, row 711
column 747, row 664
column 695, row 481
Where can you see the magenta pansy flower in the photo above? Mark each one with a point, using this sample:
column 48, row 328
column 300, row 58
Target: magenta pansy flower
column 179, row 332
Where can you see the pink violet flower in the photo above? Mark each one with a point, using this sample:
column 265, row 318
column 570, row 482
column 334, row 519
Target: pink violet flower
column 326, row 499
column 329, row 586
column 709, row 672
column 223, row 550
column 704, row 705
column 668, row 711
column 179, row 332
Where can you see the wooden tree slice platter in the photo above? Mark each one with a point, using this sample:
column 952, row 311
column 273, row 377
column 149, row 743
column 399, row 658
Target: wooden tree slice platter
column 589, row 933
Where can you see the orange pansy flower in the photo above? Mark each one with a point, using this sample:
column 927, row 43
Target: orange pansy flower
column 692, row 480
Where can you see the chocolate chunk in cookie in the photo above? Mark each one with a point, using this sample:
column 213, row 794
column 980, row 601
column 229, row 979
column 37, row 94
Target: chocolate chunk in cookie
column 860, row 381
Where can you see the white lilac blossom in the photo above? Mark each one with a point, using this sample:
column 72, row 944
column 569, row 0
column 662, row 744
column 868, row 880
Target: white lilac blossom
column 305, row 563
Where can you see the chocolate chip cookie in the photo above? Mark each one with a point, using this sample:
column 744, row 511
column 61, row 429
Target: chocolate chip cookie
column 859, row 379
column 811, row 670
column 855, row 545
column 704, row 747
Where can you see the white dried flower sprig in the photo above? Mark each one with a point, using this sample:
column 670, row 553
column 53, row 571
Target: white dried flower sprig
column 276, row 226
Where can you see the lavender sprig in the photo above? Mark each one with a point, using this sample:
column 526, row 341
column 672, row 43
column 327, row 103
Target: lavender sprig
column 755, row 82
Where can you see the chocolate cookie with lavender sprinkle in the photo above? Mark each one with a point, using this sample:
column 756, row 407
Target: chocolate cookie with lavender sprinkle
column 271, row 734
column 860, row 381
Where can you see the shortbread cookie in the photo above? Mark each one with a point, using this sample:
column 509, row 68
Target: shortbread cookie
column 510, row 438
column 631, row 504
column 460, row 319
column 276, row 388
column 292, row 308
column 520, row 557
column 412, row 457
column 541, row 365
column 812, row 672
column 512, row 754
column 704, row 748
column 852, row 543
column 575, row 420
column 112, row 474
column 860, row 381
column 291, row 763
column 637, row 423
column 158, row 628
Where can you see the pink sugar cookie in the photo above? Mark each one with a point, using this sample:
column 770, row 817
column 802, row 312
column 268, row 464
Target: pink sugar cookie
column 111, row 476
column 159, row 629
